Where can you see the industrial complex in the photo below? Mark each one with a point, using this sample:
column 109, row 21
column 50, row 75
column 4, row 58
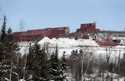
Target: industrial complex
column 85, row 31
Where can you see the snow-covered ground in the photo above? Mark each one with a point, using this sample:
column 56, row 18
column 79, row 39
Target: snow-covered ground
column 87, row 45
column 64, row 44
column 67, row 45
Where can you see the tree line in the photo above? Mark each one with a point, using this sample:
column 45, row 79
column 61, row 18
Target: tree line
column 37, row 65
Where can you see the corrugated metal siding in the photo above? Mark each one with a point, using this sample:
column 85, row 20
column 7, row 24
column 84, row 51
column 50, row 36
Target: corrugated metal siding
column 39, row 34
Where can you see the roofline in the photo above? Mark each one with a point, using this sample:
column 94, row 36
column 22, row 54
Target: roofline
column 108, row 31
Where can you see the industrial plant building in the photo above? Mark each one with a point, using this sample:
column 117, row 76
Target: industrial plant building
column 85, row 31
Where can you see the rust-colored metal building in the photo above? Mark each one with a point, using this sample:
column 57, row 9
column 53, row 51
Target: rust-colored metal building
column 38, row 34
column 88, row 28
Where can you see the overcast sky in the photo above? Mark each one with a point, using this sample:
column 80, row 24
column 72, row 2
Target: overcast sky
column 32, row 14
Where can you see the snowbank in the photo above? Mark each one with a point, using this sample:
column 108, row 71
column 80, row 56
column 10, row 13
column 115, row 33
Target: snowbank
column 67, row 43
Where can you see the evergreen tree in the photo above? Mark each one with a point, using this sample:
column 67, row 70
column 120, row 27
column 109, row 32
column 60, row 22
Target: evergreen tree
column 63, row 66
column 9, row 30
column 2, row 38
column 63, row 62
column 8, row 50
column 37, row 63
column 3, row 30
column 56, row 67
